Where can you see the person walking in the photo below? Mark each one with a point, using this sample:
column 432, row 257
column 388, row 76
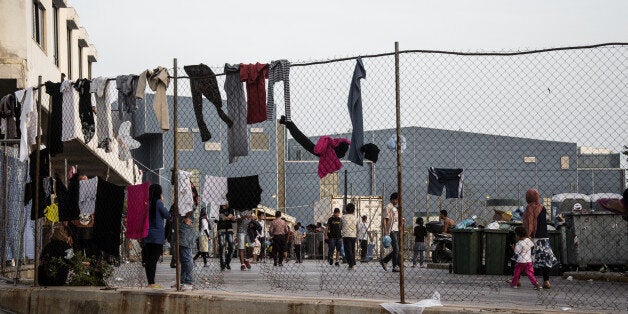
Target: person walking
column 334, row 235
column 523, row 250
column 420, row 232
column 226, row 217
column 278, row 230
column 363, row 237
column 203, row 237
column 535, row 223
column 153, row 243
column 391, row 228
column 349, row 232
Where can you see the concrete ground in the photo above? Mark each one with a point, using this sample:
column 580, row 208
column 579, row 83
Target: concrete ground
column 369, row 281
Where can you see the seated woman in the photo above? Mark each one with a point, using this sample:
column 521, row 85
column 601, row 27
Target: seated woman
column 55, row 258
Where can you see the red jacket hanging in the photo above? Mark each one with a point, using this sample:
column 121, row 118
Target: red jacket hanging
column 255, row 76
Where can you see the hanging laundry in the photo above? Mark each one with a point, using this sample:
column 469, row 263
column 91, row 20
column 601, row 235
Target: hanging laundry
column 203, row 82
column 244, row 193
column 66, row 212
column 86, row 110
column 328, row 161
column 8, row 105
column 186, row 200
column 137, row 211
column 279, row 70
column 127, row 87
column 371, row 152
column 126, row 141
column 355, row 113
column 158, row 80
column 215, row 190
column 71, row 172
column 71, row 126
column 237, row 137
column 55, row 144
column 87, row 195
column 45, row 192
column 254, row 75
column 108, row 217
column 298, row 136
column 391, row 143
column 44, row 163
column 52, row 212
column 451, row 179
column 15, row 211
column 104, row 125
column 28, row 121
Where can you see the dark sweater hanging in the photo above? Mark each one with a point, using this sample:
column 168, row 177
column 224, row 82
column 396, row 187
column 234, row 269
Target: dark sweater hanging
column 244, row 192
column 108, row 217
column 67, row 199
column 86, row 112
column 55, row 145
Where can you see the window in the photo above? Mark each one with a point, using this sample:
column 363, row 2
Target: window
column 39, row 14
column 529, row 159
column 213, row 146
column 564, row 162
column 55, row 34
column 69, row 53
column 89, row 69
column 80, row 61
column 185, row 140
column 259, row 140
column 329, row 185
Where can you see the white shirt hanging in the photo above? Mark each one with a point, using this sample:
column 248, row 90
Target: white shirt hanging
column 87, row 195
column 186, row 201
column 28, row 121
column 126, row 141
column 71, row 125
column 215, row 190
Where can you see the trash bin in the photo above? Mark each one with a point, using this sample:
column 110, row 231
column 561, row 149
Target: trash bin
column 467, row 244
column 496, row 246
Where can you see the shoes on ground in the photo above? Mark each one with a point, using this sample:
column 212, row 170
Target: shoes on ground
column 337, row 264
column 247, row 264
column 546, row 285
column 395, row 269
column 186, row 287
column 383, row 265
column 155, row 286
column 243, row 267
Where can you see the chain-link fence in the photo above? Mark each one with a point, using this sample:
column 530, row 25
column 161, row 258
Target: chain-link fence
column 483, row 127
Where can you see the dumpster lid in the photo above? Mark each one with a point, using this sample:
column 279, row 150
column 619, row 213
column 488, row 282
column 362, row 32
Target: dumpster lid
column 565, row 196
column 597, row 196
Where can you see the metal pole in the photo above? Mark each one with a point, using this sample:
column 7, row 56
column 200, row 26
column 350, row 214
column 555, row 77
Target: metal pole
column 37, row 182
column 344, row 200
column 175, row 168
column 402, row 291
column 5, row 211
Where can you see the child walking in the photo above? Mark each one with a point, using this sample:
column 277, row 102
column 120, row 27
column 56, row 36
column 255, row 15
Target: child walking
column 523, row 251
column 420, row 232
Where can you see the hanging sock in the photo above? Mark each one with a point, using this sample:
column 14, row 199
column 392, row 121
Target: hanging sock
column 279, row 71
column 158, row 81
column 254, row 75
column 203, row 82
column 237, row 137
column 126, row 141
column 355, row 113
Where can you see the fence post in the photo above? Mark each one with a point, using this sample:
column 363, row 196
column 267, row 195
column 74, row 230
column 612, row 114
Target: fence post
column 402, row 291
column 175, row 184
column 36, row 199
column 5, row 210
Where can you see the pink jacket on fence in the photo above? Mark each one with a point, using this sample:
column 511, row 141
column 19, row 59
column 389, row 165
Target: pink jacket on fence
column 137, row 211
column 328, row 161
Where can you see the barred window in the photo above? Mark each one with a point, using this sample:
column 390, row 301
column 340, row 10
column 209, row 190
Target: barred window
column 259, row 141
column 564, row 162
column 39, row 14
column 329, row 185
column 185, row 140
column 213, row 146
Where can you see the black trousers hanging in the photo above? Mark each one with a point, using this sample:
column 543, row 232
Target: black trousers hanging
column 203, row 82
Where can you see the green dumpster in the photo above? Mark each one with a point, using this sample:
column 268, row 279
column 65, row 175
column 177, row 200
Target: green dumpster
column 556, row 240
column 467, row 247
column 496, row 246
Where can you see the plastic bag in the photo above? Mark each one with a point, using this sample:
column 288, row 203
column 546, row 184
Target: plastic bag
column 418, row 307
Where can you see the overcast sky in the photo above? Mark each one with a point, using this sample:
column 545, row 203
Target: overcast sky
column 135, row 35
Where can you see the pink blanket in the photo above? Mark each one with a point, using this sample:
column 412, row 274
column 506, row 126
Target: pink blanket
column 137, row 211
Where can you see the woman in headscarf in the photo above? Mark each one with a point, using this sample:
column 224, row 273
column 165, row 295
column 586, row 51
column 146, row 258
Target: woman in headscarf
column 153, row 244
column 535, row 222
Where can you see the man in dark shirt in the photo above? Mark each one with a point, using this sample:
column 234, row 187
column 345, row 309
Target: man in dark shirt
column 334, row 228
column 420, row 232
column 225, row 236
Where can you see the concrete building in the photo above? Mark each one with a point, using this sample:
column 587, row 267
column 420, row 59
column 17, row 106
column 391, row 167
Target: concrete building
column 42, row 37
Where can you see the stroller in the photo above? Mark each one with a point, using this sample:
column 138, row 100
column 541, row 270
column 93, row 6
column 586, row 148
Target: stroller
column 441, row 246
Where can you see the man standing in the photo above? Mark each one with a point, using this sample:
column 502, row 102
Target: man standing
column 391, row 228
column 349, row 232
column 264, row 235
column 187, row 240
column 363, row 236
column 225, row 236
column 448, row 223
column 278, row 230
column 298, row 239
column 334, row 234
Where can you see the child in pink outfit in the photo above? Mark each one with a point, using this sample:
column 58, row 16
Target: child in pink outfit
column 523, row 249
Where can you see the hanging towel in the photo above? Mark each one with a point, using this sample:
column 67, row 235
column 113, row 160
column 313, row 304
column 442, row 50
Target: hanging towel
column 215, row 190
column 28, row 121
column 108, row 217
column 254, row 75
column 355, row 113
column 87, row 195
column 71, row 127
column 56, row 118
column 104, row 125
column 244, row 192
column 137, row 211
column 186, row 200
column 328, row 160
column 158, row 81
column 126, row 141
column 237, row 137
column 279, row 71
